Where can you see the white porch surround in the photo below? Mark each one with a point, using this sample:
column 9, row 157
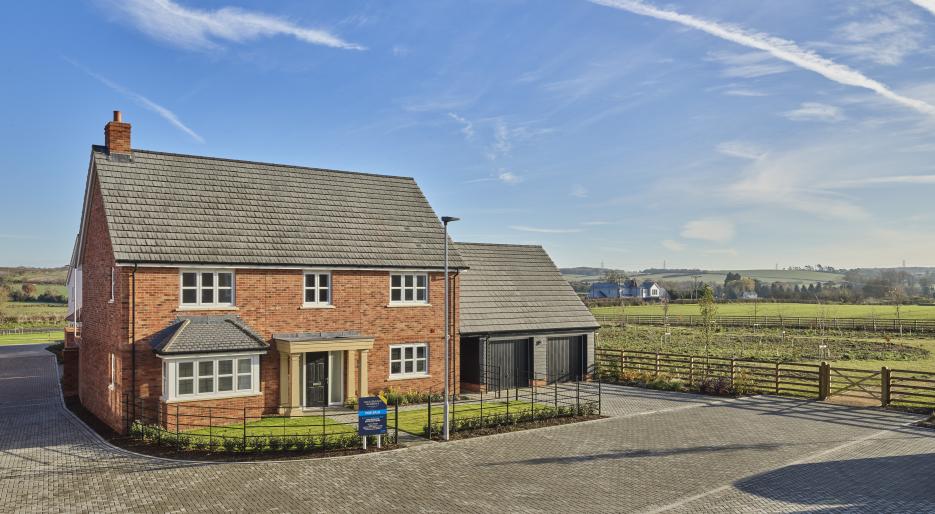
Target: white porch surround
column 290, row 368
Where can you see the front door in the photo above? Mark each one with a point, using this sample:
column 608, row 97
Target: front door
column 316, row 379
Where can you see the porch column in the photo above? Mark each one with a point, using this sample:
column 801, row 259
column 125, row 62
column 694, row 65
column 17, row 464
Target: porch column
column 295, row 394
column 350, row 378
column 283, row 383
column 363, row 372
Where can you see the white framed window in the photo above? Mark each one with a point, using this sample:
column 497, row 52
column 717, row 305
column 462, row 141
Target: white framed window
column 316, row 289
column 220, row 376
column 206, row 288
column 409, row 360
column 409, row 288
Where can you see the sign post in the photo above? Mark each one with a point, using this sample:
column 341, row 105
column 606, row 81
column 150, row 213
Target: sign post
column 371, row 419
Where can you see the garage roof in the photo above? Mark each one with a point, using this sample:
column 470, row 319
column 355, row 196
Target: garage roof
column 516, row 288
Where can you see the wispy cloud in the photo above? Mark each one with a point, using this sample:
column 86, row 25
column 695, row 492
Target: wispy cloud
column 749, row 64
column 467, row 128
column 872, row 181
column 779, row 48
column 928, row 5
column 165, row 113
column 201, row 29
column 815, row 111
column 541, row 230
column 730, row 252
column 740, row 150
column 886, row 38
column 744, row 92
column 709, row 229
column 596, row 223
column 579, row 191
column 508, row 177
column 672, row 245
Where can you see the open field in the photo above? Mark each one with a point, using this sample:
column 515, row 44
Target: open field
column 57, row 289
column 713, row 276
column 35, row 275
column 43, row 337
column 32, row 314
column 805, row 310
column 846, row 349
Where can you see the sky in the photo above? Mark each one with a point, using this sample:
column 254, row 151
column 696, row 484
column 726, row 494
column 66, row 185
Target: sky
column 696, row 133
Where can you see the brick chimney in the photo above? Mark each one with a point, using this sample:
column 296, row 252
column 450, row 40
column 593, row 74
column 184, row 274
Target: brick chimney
column 117, row 135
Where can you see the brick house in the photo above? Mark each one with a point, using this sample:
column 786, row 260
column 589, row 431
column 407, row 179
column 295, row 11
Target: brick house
column 219, row 282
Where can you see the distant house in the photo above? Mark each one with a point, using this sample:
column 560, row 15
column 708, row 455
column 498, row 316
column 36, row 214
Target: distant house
column 749, row 295
column 646, row 290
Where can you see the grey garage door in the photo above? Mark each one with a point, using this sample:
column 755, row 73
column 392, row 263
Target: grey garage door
column 566, row 358
column 508, row 363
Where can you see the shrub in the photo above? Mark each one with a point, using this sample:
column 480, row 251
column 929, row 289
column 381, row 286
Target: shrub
column 258, row 443
column 274, row 444
column 200, row 443
column 231, row 444
column 300, row 443
column 351, row 403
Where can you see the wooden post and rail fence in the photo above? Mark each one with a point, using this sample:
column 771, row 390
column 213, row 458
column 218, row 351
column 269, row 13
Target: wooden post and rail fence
column 884, row 387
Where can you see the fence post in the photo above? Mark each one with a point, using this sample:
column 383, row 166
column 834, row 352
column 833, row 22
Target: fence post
column 244, row 440
column 691, row 370
column 482, row 408
column 885, row 384
column 178, row 445
column 555, row 395
column 656, row 372
column 598, row 398
column 396, row 422
column 578, row 398
column 324, row 433
column 429, row 424
column 777, row 378
column 824, row 380
column 210, row 428
column 732, row 364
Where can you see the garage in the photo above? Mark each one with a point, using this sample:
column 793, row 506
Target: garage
column 509, row 362
column 566, row 358
column 521, row 324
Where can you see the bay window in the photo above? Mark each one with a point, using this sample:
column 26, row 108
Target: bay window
column 219, row 376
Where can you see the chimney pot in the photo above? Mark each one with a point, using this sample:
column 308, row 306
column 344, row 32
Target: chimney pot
column 117, row 135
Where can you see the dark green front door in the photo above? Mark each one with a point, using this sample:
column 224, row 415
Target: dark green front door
column 316, row 379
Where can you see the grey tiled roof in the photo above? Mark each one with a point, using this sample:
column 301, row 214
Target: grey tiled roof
column 169, row 208
column 513, row 288
column 206, row 334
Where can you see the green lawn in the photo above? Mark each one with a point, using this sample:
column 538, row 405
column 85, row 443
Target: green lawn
column 44, row 337
column 32, row 314
column 847, row 348
column 411, row 420
column 782, row 309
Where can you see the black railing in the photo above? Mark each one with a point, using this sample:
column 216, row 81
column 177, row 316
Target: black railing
column 495, row 406
column 232, row 429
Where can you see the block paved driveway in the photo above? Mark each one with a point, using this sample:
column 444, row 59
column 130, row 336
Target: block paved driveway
column 661, row 451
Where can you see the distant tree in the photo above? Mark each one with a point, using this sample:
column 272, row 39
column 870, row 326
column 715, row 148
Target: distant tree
column 613, row 276
column 708, row 308
column 4, row 298
column 28, row 289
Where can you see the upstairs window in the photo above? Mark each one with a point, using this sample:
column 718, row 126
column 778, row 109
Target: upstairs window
column 409, row 288
column 207, row 288
column 317, row 290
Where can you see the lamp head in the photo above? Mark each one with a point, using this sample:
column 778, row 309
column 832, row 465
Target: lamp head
column 448, row 219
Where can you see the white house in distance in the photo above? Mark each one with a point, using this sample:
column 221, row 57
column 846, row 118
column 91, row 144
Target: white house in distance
column 646, row 290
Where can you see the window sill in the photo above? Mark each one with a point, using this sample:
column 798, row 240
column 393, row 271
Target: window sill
column 413, row 304
column 206, row 397
column 314, row 306
column 184, row 308
column 409, row 377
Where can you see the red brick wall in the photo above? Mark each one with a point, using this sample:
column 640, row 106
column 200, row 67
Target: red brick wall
column 270, row 301
column 104, row 328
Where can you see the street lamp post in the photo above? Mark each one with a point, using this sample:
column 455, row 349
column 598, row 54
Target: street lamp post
column 446, row 220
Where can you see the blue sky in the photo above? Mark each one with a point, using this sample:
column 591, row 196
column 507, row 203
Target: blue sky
column 715, row 134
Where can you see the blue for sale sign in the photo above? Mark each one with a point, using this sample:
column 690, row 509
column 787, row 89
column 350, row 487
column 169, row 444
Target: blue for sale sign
column 371, row 416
